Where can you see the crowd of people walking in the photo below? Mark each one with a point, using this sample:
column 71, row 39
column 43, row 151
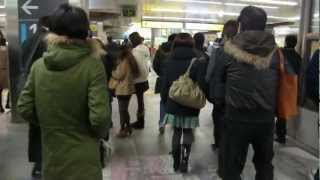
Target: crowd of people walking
column 72, row 79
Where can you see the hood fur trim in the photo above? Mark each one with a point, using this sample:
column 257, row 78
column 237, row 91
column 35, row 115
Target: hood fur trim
column 242, row 56
column 96, row 50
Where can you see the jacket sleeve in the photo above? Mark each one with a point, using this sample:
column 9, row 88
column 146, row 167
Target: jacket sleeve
column 218, row 79
column 198, row 73
column 120, row 72
column 165, row 86
column 26, row 102
column 156, row 62
column 98, row 98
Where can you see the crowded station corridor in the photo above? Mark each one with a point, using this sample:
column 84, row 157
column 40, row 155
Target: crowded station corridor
column 159, row 90
column 145, row 155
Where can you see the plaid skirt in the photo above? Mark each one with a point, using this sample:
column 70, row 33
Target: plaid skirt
column 182, row 121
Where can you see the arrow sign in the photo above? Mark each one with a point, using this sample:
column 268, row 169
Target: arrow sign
column 33, row 28
column 27, row 7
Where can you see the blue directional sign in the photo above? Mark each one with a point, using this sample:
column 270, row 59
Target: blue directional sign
column 29, row 13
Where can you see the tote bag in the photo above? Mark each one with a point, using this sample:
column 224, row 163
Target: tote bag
column 186, row 92
column 288, row 92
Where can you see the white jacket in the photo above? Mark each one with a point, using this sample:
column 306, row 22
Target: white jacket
column 142, row 55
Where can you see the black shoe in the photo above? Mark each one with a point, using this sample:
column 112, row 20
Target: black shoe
column 2, row 110
column 281, row 141
column 186, row 149
column 161, row 130
column 138, row 125
column 176, row 155
column 214, row 147
column 36, row 172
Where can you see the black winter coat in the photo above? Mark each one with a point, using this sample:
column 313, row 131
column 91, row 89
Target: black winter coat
column 177, row 65
column 159, row 62
column 248, row 66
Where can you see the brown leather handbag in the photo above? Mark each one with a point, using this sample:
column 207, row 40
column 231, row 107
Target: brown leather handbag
column 288, row 91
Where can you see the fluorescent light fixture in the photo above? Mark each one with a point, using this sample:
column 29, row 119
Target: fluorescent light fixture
column 276, row 2
column 316, row 15
column 285, row 18
column 177, row 19
column 244, row 5
column 162, row 25
column 3, row 15
column 220, row 13
column 205, row 27
column 196, row 1
column 2, row 6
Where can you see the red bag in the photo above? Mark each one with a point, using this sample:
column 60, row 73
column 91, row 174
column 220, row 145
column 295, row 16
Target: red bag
column 288, row 92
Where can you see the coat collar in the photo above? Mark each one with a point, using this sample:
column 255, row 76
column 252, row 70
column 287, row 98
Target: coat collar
column 96, row 49
column 243, row 56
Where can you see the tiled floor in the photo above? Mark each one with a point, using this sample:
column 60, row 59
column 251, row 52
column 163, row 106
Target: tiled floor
column 144, row 156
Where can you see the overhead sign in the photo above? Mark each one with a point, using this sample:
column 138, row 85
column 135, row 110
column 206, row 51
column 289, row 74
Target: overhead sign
column 129, row 10
column 29, row 13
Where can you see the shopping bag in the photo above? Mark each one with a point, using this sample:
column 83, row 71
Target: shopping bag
column 288, row 92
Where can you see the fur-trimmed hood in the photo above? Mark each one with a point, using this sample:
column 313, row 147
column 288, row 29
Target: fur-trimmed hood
column 252, row 47
column 64, row 53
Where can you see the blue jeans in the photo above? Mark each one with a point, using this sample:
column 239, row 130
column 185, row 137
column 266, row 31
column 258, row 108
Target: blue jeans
column 162, row 113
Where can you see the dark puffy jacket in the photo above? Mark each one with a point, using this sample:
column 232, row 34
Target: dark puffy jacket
column 159, row 61
column 248, row 67
column 177, row 65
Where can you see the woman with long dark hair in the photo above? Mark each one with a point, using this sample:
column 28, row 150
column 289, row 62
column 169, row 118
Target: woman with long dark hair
column 126, row 71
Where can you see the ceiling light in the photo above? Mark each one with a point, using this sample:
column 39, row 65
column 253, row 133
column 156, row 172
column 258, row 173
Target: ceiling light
column 177, row 19
column 3, row 15
column 244, row 5
column 220, row 13
column 288, row 3
column 196, row 1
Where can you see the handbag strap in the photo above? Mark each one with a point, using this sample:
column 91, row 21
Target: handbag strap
column 190, row 66
column 281, row 60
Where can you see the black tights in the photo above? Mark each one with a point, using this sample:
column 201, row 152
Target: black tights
column 123, row 102
column 177, row 134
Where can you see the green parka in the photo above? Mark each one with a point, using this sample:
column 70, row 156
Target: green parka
column 66, row 94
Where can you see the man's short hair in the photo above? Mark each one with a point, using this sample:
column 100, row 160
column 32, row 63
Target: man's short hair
column 70, row 21
column 291, row 41
column 199, row 39
column 44, row 21
column 230, row 29
column 252, row 18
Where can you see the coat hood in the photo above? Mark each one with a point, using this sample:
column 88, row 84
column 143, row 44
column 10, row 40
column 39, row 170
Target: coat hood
column 252, row 47
column 64, row 53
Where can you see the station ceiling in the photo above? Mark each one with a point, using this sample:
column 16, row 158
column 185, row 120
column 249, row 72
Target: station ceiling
column 217, row 11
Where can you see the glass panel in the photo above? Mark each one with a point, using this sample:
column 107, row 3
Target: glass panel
column 315, row 16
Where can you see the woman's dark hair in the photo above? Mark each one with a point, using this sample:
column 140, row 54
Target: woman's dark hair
column 252, row 18
column 172, row 37
column 135, row 39
column 291, row 41
column 125, row 54
column 230, row 29
column 183, row 40
column 70, row 21
column 199, row 40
